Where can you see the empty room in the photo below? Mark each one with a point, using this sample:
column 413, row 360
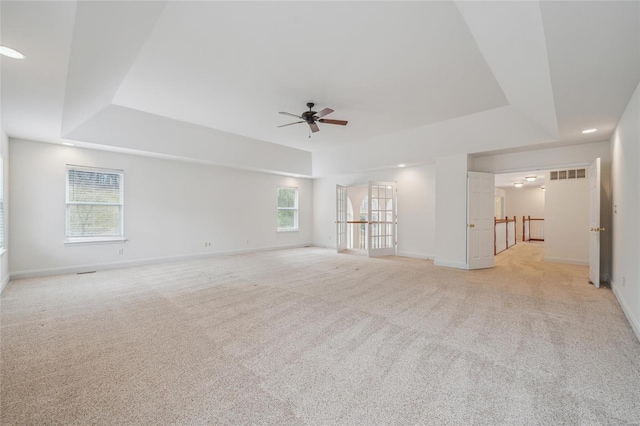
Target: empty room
column 305, row 212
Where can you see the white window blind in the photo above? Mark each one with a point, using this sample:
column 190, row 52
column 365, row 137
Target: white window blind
column 287, row 209
column 1, row 203
column 95, row 203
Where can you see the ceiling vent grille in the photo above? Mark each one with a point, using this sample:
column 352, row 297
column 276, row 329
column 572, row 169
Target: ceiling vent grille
column 568, row 174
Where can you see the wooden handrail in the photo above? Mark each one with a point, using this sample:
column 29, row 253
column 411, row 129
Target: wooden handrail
column 524, row 220
column 507, row 220
column 371, row 221
column 495, row 235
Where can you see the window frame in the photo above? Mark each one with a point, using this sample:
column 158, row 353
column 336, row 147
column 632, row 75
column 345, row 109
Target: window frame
column 91, row 239
column 296, row 209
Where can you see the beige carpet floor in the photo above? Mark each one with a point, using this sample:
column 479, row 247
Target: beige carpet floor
column 307, row 336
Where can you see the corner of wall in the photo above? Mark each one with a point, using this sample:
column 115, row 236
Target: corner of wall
column 4, row 256
column 635, row 324
column 624, row 186
column 4, row 282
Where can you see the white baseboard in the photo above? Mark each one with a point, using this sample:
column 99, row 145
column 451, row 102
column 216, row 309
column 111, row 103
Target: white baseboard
column 568, row 261
column 415, row 255
column 449, row 264
column 139, row 262
column 4, row 283
column 635, row 326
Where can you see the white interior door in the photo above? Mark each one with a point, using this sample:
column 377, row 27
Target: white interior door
column 594, row 223
column 381, row 238
column 480, row 223
column 341, row 218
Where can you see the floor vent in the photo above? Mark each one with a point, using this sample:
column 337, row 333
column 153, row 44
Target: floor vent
column 568, row 174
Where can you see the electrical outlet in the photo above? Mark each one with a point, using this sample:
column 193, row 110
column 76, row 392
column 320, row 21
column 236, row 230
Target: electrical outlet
column 207, row 243
column 120, row 251
column 247, row 241
column 624, row 281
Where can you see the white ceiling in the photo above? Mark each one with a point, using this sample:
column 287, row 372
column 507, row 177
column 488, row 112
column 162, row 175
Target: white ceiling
column 205, row 80
column 506, row 180
column 384, row 67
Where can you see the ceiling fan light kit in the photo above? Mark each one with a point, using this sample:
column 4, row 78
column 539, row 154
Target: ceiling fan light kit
column 312, row 118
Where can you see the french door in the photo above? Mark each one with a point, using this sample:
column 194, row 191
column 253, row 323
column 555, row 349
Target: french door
column 341, row 218
column 382, row 214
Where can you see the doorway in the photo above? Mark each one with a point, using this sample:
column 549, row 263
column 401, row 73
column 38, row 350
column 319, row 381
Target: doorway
column 520, row 197
column 559, row 211
column 366, row 218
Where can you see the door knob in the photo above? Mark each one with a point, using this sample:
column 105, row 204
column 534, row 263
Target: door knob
column 471, row 225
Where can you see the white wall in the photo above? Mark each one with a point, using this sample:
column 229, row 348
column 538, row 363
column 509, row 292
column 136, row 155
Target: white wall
column 356, row 195
column 501, row 203
column 566, row 225
column 4, row 256
column 524, row 202
column 171, row 209
column 451, row 211
column 625, row 229
column 416, row 202
column 543, row 158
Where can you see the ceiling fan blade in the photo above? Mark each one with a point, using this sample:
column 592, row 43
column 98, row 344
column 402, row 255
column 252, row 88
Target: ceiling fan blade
column 314, row 127
column 291, row 124
column 329, row 121
column 324, row 112
column 288, row 113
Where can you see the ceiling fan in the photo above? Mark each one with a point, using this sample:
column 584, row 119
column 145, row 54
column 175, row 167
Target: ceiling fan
column 311, row 118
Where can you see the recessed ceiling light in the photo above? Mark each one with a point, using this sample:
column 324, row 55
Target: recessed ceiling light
column 12, row 53
column 530, row 178
column 401, row 165
column 518, row 184
column 67, row 144
column 589, row 130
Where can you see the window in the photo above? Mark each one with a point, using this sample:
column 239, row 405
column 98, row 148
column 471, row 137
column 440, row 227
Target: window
column 287, row 209
column 1, row 203
column 95, row 202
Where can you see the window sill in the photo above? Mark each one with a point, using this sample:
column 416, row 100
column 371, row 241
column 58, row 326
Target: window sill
column 288, row 229
column 93, row 240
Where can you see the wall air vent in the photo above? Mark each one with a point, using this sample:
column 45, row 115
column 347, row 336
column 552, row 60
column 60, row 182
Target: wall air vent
column 568, row 174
